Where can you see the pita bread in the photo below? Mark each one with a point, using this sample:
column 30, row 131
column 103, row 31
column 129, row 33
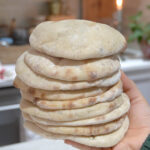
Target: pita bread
column 71, row 70
column 107, row 140
column 81, row 131
column 113, row 115
column 61, row 95
column 107, row 96
column 77, row 39
column 74, row 114
column 37, row 81
column 40, row 82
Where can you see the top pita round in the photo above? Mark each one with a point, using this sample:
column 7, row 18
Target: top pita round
column 77, row 39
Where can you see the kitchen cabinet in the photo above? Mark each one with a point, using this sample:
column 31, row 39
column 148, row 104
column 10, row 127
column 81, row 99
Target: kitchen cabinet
column 9, row 115
column 97, row 9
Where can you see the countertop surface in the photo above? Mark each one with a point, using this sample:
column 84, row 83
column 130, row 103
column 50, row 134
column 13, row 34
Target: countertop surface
column 135, row 65
column 41, row 144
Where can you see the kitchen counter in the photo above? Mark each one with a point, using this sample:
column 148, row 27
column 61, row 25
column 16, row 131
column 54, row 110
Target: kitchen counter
column 135, row 65
column 41, row 144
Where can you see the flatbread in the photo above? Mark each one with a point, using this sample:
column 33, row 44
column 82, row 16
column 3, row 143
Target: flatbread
column 74, row 114
column 113, row 115
column 61, row 95
column 71, row 70
column 107, row 140
column 40, row 82
column 107, row 96
column 81, row 131
column 77, row 39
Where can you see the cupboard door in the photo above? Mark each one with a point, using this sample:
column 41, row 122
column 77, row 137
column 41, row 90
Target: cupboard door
column 97, row 9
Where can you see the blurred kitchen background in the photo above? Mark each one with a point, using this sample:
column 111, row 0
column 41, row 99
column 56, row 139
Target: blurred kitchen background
column 19, row 17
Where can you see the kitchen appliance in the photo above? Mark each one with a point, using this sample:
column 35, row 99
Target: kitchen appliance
column 9, row 115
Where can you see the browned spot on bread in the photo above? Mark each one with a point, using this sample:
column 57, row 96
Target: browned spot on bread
column 35, row 100
column 95, row 131
column 100, row 118
column 63, row 105
column 71, row 105
column 91, row 130
column 55, row 73
column 80, row 97
column 31, row 91
column 93, row 75
column 42, row 102
column 72, row 87
column 76, row 130
column 92, row 100
column 56, row 88
column 68, row 71
column 106, row 129
column 42, row 95
column 111, row 106
column 86, row 61
column 74, row 78
column 70, row 115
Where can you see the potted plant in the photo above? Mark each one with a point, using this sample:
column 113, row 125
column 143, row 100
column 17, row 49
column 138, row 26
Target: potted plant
column 140, row 31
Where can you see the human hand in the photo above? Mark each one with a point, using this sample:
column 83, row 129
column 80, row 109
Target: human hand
column 139, row 116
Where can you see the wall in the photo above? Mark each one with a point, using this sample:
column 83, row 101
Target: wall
column 24, row 10
column 131, row 7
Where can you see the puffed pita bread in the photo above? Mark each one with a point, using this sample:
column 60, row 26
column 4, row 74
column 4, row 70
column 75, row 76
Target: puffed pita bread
column 71, row 70
column 77, row 39
column 107, row 96
column 81, row 131
column 113, row 115
column 73, row 114
column 107, row 140
column 61, row 95
column 40, row 82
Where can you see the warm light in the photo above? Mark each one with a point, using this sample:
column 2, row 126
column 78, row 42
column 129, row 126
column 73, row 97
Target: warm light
column 119, row 4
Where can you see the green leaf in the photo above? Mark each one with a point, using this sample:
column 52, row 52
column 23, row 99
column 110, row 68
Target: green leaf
column 146, row 31
column 147, row 28
column 136, row 17
column 137, row 35
column 135, row 26
column 148, row 41
column 148, row 7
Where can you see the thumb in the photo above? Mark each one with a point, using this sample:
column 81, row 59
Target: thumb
column 131, row 89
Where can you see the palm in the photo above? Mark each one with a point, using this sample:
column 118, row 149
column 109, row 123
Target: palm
column 139, row 128
column 139, row 116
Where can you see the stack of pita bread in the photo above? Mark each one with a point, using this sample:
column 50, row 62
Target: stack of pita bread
column 70, row 83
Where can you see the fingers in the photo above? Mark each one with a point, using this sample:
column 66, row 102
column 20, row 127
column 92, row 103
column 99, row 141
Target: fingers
column 130, row 88
column 127, row 83
column 83, row 147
